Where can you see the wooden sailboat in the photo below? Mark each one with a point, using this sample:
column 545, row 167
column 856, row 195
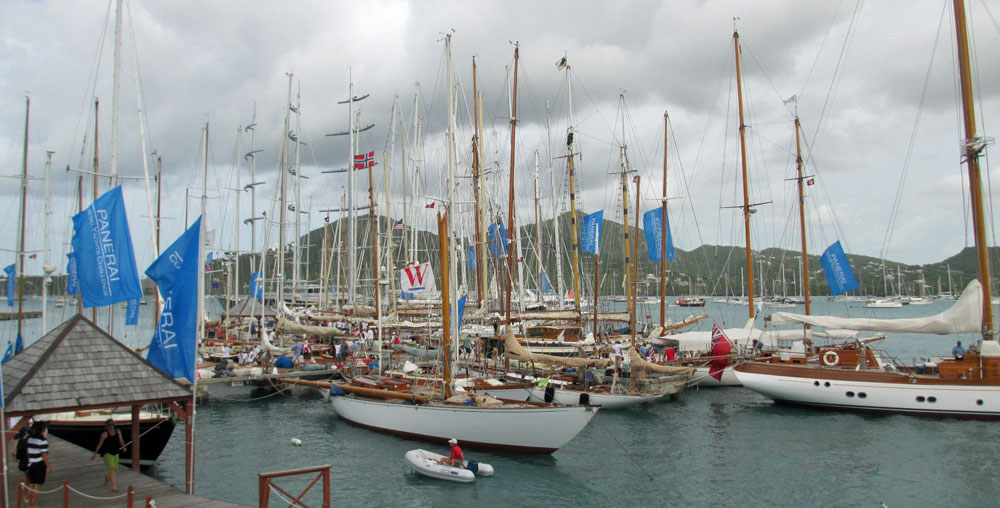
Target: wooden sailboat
column 967, row 386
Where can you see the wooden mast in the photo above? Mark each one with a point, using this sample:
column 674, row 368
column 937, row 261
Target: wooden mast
column 746, row 188
column 974, row 146
column 445, row 254
column 511, row 272
column 628, row 253
column 633, row 289
column 663, row 231
column 572, row 212
column 802, row 215
column 97, row 102
column 476, row 183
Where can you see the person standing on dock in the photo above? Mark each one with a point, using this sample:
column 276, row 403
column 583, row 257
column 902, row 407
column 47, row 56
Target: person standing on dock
column 109, row 446
column 38, row 460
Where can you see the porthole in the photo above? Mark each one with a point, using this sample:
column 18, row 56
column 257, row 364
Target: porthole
column 815, row 383
column 849, row 395
column 979, row 402
column 862, row 395
column 920, row 398
column 931, row 399
column 826, row 384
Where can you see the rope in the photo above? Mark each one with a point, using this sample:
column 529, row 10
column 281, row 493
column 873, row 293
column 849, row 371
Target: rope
column 88, row 496
column 25, row 487
column 283, row 498
column 627, row 454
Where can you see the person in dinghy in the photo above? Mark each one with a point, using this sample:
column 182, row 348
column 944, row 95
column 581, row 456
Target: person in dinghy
column 457, row 459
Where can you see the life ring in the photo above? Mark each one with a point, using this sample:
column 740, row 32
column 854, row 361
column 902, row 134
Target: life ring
column 831, row 359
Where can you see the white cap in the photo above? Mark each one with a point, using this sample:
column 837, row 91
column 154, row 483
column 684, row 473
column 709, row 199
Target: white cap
column 453, row 441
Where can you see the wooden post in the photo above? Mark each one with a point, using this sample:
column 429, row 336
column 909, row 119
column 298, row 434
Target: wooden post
column 326, row 488
column 130, row 499
column 263, row 492
column 20, row 492
column 65, row 494
column 135, row 438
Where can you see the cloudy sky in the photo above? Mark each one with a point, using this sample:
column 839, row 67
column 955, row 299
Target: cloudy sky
column 874, row 81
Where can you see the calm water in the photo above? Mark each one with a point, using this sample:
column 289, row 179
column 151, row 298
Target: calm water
column 715, row 447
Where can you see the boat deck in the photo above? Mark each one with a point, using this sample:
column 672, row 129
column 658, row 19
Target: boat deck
column 72, row 463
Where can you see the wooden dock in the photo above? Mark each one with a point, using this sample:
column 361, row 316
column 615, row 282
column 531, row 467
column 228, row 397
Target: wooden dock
column 28, row 314
column 72, row 463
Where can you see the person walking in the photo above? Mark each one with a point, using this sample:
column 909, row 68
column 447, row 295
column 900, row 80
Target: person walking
column 109, row 446
column 38, row 460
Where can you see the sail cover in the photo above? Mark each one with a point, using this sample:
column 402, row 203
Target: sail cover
column 966, row 316
column 515, row 351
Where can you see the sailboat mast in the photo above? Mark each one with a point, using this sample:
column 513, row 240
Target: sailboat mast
column 572, row 209
column 802, row 215
column 444, row 253
column 282, row 205
column 97, row 109
column 47, row 267
column 538, row 234
column 974, row 146
column 633, row 289
column 746, row 188
column 511, row 273
column 476, row 184
column 22, row 231
column 663, row 231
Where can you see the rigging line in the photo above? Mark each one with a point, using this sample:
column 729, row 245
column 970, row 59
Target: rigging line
column 897, row 200
column 835, row 79
column 982, row 119
column 767, row 77
column 819, row 51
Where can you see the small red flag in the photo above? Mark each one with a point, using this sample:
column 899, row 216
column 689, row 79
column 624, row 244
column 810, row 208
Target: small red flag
column 811, row 181
column 364, row 160
column 430, row 206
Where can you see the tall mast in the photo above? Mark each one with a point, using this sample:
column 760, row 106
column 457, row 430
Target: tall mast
column 21, row 221
column 555, row 206
column 447, row 254
column 47, row 267
column 538, row 233
column 572, row 209
column 352, row 253
column 115, row 96
column 282, row 204
column 663, row 231
column 476, row 188
column 746, row 188
column 97, row 109
column 444, row 254
column 974, row 146
column 297, row 252
column 802, row 213
column 633, row 288
column 159, row 194
column 628, row 253
column 511, row 273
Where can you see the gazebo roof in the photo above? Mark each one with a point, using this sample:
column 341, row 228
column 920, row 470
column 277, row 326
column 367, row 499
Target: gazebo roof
column 251, row 307
column 77, row 365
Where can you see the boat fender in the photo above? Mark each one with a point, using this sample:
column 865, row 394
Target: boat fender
column 550, row 394
column 831, row 358
column 472, row 466
column 337, row 391
column 584, row 399
column 296, row 441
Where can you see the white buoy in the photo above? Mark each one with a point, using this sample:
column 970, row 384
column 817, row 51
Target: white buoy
column 296, row 441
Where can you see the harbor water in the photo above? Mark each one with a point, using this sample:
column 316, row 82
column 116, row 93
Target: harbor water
column 710, row 447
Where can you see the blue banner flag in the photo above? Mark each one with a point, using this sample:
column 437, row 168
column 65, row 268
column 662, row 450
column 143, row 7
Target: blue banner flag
column 590, row 232
column 461, row 312
column 498, row 239
column 471, row 254
column 11, row 275
column 256, row 288
column 176, row 274
column 132, row 312
column 18, row 345
column 102, row 245
column 546, row 287
column 652, row 222
column 72, row 281
column 208, row 259
column 837, row 269
column 8, row 354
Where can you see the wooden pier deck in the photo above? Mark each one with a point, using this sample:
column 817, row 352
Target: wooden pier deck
column 70, row 462
column 28, row 314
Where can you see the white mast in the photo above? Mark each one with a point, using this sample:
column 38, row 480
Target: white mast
column 555, row 209
column 282, row 205
column 452, row 292
column 297, row 253
column 47, row 267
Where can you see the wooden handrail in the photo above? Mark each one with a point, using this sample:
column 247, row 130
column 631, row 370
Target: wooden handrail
column 265, row 485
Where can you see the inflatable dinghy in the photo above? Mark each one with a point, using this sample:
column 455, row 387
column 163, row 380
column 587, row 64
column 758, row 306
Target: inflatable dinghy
column 426, row 463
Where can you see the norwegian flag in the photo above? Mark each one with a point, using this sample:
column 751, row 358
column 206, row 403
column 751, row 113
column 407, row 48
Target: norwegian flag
column 364, row 160
column 720, row 347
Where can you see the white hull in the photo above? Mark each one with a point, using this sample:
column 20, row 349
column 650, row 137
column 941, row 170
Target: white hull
column 521, row 429
column 701, row 378
column 931, row 399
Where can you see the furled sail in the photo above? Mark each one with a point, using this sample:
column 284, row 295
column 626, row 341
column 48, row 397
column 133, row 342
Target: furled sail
column 515, row 351
column 966, row 316
column 639, row 363
column 286, row 326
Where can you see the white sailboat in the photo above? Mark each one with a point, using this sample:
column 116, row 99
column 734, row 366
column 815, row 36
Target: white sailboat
column 966, row 386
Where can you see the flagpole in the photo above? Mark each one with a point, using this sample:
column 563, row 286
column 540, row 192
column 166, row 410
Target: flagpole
column 201, row 313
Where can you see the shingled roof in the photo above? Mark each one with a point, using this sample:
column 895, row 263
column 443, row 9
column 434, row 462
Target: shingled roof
column 77, row 365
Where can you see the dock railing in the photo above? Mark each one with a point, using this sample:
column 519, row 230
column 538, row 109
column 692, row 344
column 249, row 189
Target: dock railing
column 266, row 485
column 23, row 491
